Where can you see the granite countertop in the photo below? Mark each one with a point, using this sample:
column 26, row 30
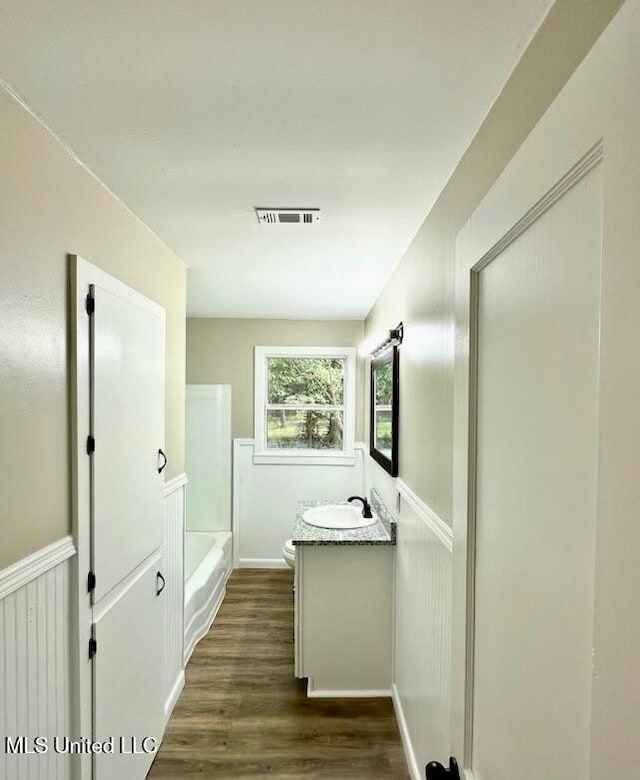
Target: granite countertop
column 383, row 531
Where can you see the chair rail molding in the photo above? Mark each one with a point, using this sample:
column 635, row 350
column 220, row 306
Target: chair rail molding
column 425, row 513
column 18, row 574
column 175, row 484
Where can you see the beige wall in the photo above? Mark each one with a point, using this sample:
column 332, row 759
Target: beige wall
column 420, row 292
column 220, row 351
column 51, row 206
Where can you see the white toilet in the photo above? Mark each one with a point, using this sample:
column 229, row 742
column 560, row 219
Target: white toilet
column 289, row 553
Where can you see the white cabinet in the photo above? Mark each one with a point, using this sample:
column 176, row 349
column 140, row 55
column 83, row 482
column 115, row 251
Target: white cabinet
column 119, row 397
column 128, row 677
column 344, row 619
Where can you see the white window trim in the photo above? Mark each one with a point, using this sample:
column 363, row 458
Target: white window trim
column 345, row 457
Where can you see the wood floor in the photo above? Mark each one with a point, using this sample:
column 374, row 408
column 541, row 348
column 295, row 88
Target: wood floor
column 243, row 714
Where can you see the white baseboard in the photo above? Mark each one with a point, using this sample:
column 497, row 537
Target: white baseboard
column 409, row 753
column 174, row 696
column 316, row 693
column 263, row 563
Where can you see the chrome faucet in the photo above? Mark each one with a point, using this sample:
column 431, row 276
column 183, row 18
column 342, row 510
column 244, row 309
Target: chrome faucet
column 366, row 507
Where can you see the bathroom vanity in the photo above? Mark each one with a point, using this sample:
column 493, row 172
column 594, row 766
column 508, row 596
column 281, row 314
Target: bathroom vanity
column 344, row 602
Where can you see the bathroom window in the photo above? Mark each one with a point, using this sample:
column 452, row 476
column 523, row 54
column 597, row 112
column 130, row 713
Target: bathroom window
column 305, row 405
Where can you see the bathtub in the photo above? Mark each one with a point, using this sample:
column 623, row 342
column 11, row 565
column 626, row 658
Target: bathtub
column 207, row 566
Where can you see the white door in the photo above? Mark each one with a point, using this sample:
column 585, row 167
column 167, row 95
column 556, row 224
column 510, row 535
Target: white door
column 128, row 426
column 128, row 696
column 123, row 527
column 536, row 327
column 544, row 318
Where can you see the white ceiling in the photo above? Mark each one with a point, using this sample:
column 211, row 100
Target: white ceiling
column 195, row 111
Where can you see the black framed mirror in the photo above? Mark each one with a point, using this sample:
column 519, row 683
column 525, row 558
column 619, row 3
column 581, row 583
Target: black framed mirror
column 384, row 410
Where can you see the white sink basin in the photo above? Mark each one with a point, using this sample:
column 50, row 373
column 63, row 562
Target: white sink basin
column 337, row 516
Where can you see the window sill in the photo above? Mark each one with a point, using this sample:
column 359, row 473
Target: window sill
column 299, row 459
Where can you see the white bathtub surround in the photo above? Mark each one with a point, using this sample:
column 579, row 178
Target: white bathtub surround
column 35, row 658
column 208, row 558
column 266, row 497
column 205, row 586
column 208, row 457
column 196, row 546
column 175, row 503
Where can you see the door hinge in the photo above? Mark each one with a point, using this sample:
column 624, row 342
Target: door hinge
column 91, row 445
column 93, row 647
column 91, row 303
column 91, row 582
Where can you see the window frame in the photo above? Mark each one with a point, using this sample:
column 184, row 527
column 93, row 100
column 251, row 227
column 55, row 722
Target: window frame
column 343, row 457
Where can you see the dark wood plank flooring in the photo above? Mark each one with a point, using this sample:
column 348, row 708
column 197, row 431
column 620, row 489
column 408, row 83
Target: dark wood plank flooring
column 242, row 713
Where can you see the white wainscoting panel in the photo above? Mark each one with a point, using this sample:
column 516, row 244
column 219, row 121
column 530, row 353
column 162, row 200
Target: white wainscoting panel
column 422, row 650
column 422, row 622
column 266, row 496
column 173, row 565
column 35, row 660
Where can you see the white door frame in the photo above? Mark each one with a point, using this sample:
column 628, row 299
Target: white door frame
column 82, row 275
column 468, row 278
column 593, row 121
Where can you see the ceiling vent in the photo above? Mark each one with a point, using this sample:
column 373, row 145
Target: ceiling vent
column 287, row 216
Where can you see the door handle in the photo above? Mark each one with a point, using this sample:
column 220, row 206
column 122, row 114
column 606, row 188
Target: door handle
column 162, row 586
column 435, row 771
column 164, row 462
